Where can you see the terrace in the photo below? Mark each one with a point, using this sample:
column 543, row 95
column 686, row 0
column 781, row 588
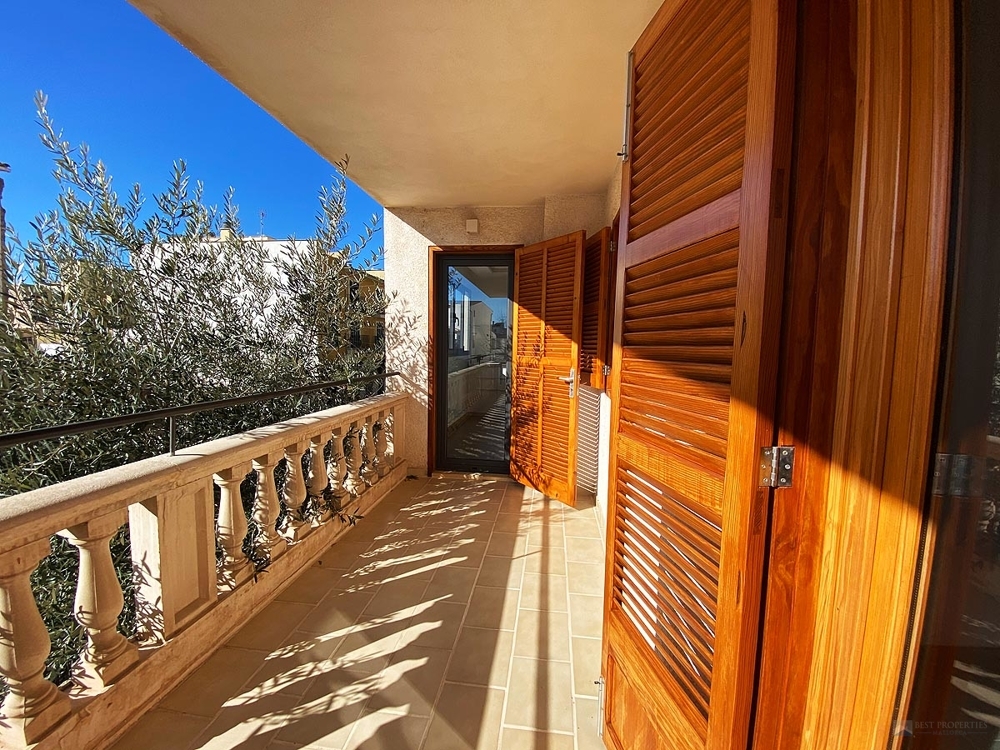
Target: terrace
column 458, row 611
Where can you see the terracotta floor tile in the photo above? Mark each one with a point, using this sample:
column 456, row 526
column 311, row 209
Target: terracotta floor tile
column 492, row 608
column 542, row 635
column 162, row 730
column 248, row 723
column 268, row 629
column 387, row 731
column 525, row 739
column 466, row 718
column 481, row 657
column 586, row 578
column 337, row 611
column 584, row 549
column 411, row 681
column 586, row 725
column 217, row 680
column 540, row 591
column 586, row 615
column 544, row 559
column 540, row 695
column 502, row 572
column 436, row 626
column 586, row 665
column 453, row 583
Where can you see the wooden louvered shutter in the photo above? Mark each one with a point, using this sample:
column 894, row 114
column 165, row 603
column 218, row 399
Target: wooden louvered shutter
column 699, row 273
column 596, row 325
column 547, row 301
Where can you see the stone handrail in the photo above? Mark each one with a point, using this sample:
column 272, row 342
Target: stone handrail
column 187, row 601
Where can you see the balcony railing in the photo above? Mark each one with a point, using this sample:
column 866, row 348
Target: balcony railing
column 474, row 390
column 194, row 585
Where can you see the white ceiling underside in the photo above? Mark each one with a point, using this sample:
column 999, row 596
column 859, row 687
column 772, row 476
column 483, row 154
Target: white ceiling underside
column 437, row 102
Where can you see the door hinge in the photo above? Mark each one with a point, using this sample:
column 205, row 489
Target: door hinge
column 600, row 706
column 777, row 462
column 606, row 371
column 629, row 77
column 612, row 246
column 958, row 475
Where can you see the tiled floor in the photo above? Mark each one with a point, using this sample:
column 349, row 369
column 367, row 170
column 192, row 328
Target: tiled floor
column 462, row 613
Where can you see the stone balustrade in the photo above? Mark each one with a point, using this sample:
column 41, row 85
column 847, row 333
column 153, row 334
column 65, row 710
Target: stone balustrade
column 194, row 583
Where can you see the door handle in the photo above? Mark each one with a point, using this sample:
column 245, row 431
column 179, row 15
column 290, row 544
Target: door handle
column 571, row 380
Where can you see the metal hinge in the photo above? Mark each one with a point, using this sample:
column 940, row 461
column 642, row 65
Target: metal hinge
column 612, row 246
column 606, row 371
column 630, row 72
column 958, row 475
column 600, row 706
column 776, row 465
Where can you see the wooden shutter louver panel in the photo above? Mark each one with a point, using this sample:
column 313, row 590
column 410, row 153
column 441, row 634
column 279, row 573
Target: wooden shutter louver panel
column 594, row 266
column 528, row 346
column 666, row 579
column 547, row 296
column 689, row 117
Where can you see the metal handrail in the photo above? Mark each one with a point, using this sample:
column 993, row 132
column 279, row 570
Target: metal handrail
column 92, row 425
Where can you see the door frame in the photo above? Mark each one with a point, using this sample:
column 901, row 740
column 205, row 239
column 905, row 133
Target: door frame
column 434, row 252
column 844, row 548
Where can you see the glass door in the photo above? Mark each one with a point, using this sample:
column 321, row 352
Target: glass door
column 473, row 350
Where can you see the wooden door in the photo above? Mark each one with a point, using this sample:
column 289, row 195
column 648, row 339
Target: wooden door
column 596, row 330
column 699, row 282
column 546, row 365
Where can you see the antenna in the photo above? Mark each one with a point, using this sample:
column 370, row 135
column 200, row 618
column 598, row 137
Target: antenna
column 263, row 213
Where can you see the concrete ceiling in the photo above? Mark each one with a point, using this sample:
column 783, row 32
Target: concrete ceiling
column 437, row 102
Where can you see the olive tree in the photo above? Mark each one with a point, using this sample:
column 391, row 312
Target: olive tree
column 126, row 303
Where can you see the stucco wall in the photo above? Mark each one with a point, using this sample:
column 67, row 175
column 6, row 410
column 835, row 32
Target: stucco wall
column 613, row 199
column 409, row 232
column 568, row 213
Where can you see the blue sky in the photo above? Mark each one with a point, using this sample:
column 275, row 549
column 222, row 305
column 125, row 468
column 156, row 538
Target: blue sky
column 140, row 100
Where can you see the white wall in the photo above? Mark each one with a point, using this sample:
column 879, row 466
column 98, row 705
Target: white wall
column 409, row 232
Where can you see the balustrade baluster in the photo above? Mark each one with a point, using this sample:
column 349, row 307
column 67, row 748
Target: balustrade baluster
column 318, row 479
column 381, row 462
column 390, row 438
column 33, row 704
column 266, row 506
column 337, row 466
column 294, row 494
column 232, row 529
column 352, row 482
column 368, row 470
column 99, row 601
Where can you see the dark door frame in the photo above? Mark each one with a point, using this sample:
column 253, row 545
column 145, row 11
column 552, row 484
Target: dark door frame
column 436, row 256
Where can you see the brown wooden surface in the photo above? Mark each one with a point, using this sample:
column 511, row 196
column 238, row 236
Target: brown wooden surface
column 596, row 323
column 434, row 252
column 859, row 406
column 700, row 268
column 548, row 301
column 817, row 259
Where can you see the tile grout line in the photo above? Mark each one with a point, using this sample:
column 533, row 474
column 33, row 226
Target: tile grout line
column 451, row 654
column 517, row 619
column 403, row 625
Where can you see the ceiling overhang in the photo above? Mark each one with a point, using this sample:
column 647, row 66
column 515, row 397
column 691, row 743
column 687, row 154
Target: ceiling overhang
column 436, row 102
